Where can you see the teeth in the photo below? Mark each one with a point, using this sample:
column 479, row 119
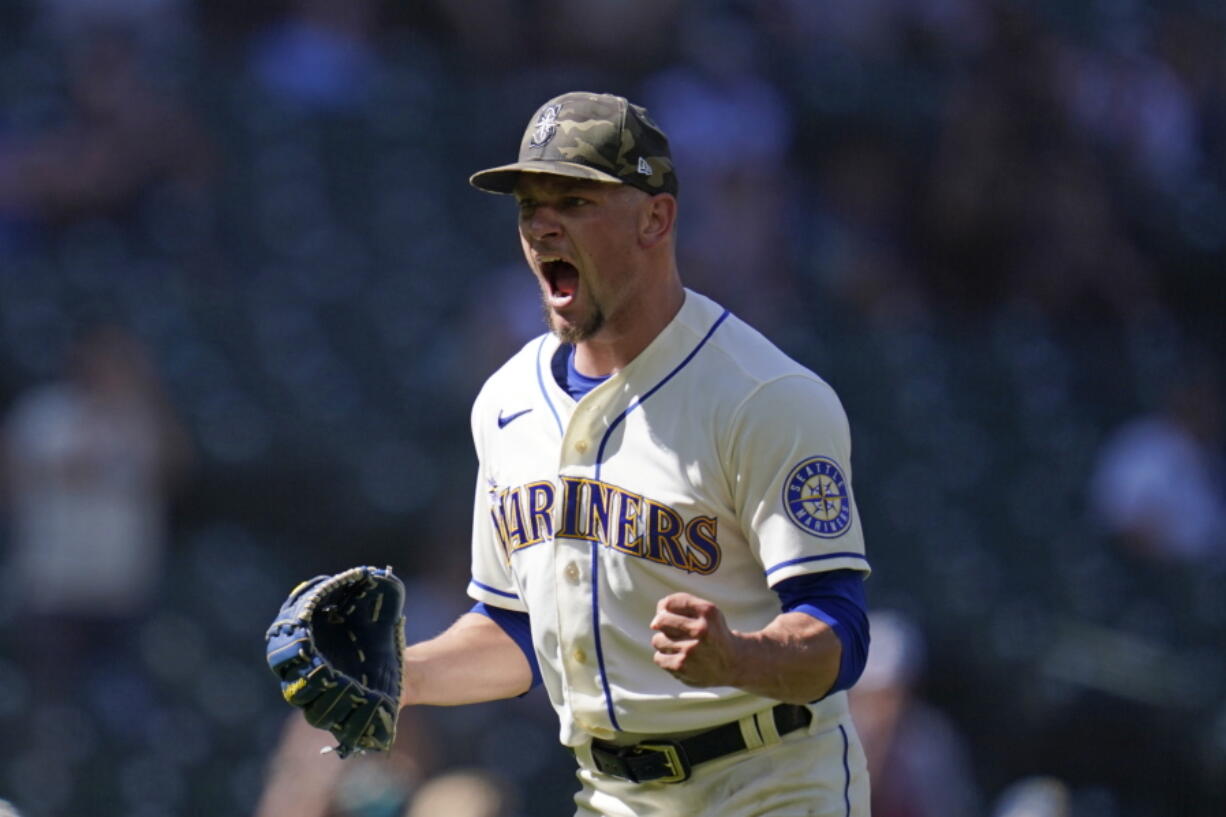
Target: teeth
column 548, row 259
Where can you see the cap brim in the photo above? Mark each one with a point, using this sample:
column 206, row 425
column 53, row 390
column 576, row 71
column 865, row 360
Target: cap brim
column 504, row 178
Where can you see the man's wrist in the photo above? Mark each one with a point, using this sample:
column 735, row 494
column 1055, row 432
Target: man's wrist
column 745, row 664
column 406, row 688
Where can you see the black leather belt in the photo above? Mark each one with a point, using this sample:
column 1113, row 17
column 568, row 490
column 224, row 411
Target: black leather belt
column 671, row 761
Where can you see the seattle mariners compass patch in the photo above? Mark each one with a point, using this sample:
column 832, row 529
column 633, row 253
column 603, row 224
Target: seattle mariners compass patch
column 546, row 126
column 816, row 497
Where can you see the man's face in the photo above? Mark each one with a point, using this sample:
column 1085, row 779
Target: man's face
column 580, row 239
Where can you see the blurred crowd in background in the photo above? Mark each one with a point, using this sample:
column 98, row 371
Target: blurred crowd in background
column 246, row 298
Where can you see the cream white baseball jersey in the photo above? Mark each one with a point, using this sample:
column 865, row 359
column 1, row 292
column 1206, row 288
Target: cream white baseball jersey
column 712, row 464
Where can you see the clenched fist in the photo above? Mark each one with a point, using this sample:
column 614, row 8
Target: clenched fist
column 694, row 643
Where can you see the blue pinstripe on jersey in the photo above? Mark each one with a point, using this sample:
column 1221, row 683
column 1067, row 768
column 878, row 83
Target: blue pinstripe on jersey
column 604, row 676
column 617, row 420
column 804, row 559
column 540, row 381
column 494, row 590
column 846, row 773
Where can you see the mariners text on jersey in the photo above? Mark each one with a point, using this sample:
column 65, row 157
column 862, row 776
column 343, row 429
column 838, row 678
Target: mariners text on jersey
column 597, row 511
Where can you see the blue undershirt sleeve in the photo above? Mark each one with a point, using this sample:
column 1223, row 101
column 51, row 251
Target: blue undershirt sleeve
column 837, row 598
column 518, row 626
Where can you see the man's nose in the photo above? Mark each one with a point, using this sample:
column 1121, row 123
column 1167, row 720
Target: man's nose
column 541, row 223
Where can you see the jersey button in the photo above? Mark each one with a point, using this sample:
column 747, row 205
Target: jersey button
column 572, row 573
column 579, row 655
column 581, row 446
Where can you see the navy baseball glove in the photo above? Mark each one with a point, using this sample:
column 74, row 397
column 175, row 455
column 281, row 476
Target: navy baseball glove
column 337, row 647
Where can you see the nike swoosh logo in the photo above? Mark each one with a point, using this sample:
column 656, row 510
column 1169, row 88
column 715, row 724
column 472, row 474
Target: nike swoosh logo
column 503, row 422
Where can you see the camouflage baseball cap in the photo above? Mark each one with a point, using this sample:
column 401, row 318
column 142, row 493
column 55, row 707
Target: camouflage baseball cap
column 601, row 137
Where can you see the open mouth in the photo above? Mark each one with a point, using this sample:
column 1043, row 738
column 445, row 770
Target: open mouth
column 562, row 278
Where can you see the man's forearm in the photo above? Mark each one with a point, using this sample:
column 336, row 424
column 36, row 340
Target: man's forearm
column 473, row 661
column 794, row 659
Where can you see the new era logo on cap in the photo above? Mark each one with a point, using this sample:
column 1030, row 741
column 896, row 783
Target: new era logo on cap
column 601, row 137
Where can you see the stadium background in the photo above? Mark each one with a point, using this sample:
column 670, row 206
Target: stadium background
column 998, row 229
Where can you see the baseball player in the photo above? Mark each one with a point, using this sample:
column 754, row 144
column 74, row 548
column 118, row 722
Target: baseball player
column 664, row 530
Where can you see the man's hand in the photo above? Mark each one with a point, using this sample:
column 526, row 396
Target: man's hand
column 694, row 643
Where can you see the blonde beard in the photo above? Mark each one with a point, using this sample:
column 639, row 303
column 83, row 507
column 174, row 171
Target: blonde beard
column 576, row 333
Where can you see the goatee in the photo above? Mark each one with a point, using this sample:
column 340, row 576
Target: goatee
column 575, row 333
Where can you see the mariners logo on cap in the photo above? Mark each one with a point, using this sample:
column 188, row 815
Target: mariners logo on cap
column 546, row 126
column 816, row 497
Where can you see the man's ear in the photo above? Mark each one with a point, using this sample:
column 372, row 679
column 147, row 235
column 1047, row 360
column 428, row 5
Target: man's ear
column 657, row 219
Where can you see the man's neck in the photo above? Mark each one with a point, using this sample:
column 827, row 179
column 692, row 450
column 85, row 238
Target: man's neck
column 615, row 346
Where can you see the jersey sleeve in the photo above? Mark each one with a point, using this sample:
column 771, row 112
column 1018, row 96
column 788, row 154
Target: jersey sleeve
column 492, row 581
column 790, row 458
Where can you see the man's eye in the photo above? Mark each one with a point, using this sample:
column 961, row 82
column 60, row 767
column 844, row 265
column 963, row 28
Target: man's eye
column 575, row 201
